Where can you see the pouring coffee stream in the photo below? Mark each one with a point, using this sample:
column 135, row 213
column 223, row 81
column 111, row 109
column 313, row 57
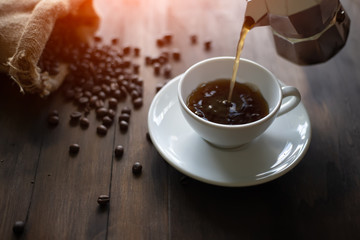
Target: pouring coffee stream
column 248, row 24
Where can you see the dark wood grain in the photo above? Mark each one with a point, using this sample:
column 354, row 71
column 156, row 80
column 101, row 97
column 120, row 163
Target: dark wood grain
column 20, row 147
column 56, row 193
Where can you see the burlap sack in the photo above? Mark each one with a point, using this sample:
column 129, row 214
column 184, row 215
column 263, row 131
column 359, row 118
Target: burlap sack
column 25, row 27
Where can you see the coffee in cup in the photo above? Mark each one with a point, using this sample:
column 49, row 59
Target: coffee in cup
column 210, row 101
column 280, row 99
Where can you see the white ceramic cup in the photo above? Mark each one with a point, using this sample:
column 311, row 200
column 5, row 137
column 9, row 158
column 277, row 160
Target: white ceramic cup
column 230, row 136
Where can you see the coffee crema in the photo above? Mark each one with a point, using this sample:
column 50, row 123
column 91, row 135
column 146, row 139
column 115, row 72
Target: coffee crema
column 210, row 102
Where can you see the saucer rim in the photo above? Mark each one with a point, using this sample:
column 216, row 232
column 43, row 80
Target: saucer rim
column 256, row 181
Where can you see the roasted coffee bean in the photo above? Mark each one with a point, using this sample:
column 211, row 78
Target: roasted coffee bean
column 114, row 85
column 93, row 100
column 136, row 68
column 107, row 121
column 126, row 50
column 123, row 125
column 168, row 38
column 18, row 227
column 101, row 112
column 74, row 148
column 167, row 71
column 124, row 117
column 83, row 101
column 101, row 130
column 120, row 79
column 193, row 39
column 114, row 41
column 78, row 89
column 132, row 86
column 148, row 60
column 99, row 104
column 137, row 168
column 123, row 91
column 136, row 51
column 154, row 60
column 156, row 68
column 117, row 94
column 134, row 94
column 101, row 95
column 126, row 62
column 138, row 102
column 75, row 116
column 119, row 151
column 88, row 94
column 97, row 39
column 176, row 54
column 103, row 200
column 53, row 120
column 111, row 113
column 207, row 45
column 108, row 60
column 106, row 88
column 126, row 110
column 160, row 42
column 140, row 91
column 96, row 89
column 112, row 103
column 84, row 122
column 139, row 82
column 133, row 79
column 125, row 83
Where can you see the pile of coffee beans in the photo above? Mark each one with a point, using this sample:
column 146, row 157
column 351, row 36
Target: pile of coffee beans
column 101, row 76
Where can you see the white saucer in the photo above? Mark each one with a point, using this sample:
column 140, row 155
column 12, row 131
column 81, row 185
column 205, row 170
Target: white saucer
column 270, row 156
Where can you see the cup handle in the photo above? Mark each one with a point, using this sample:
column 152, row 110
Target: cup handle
column 289, row 91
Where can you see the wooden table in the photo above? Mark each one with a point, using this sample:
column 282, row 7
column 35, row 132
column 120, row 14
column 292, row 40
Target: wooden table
column 56, row 194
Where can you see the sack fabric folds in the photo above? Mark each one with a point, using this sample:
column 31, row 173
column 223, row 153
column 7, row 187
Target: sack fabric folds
column 25, row 27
